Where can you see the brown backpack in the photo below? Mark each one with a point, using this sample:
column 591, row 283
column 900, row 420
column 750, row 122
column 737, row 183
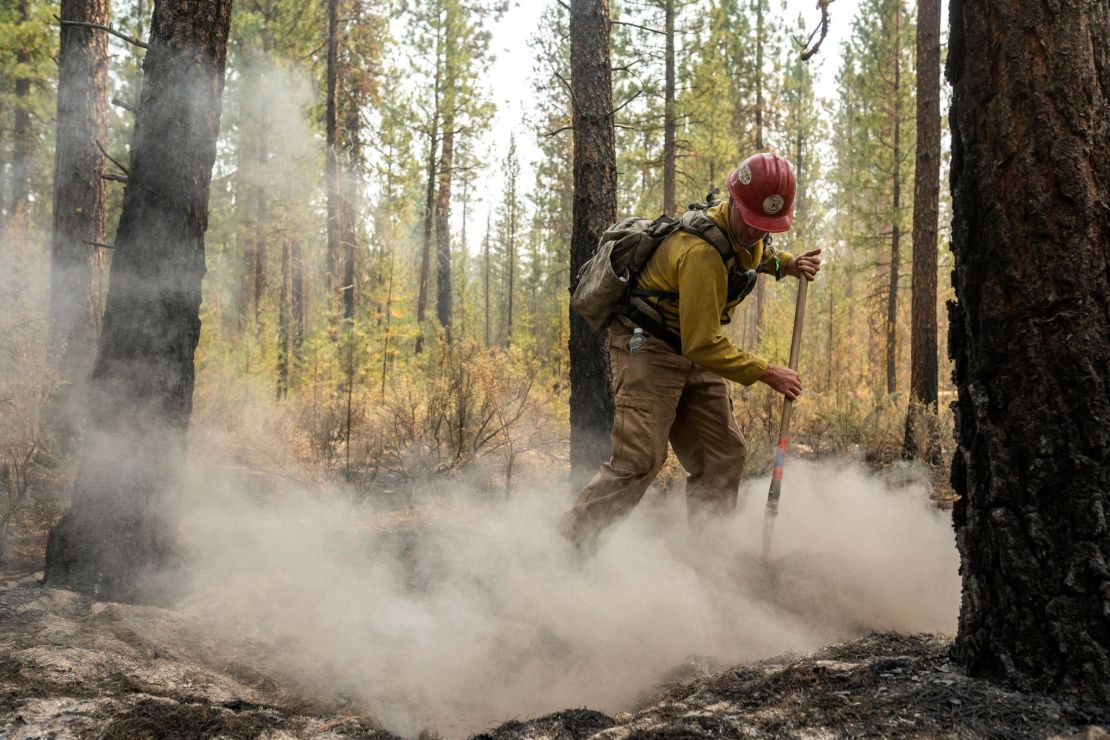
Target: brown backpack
column 606, row 285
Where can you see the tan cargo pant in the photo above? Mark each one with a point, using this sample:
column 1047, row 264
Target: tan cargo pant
column 661, row 396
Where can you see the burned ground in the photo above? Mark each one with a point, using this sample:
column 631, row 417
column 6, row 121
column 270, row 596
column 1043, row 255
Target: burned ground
column 71, row 667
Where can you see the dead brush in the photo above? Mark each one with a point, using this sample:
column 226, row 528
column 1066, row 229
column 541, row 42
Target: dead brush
column 439, row 421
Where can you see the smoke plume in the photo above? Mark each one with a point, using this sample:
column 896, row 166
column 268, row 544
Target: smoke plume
column 467, row 612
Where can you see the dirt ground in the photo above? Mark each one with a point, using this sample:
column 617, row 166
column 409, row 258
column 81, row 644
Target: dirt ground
column 71, row 667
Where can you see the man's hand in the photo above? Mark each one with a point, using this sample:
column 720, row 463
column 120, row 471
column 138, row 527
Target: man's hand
column 784, row 380
column 807, row 264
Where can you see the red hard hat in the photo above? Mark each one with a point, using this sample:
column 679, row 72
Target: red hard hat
column 762, row 187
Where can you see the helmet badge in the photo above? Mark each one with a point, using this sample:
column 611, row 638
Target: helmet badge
column 772, row 204
column 745, row 175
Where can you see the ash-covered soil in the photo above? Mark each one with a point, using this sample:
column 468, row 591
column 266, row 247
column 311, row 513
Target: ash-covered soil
column 72, row 667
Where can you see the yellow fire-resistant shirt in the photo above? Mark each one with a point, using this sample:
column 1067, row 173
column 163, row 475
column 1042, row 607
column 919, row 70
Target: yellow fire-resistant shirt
column 688, row 265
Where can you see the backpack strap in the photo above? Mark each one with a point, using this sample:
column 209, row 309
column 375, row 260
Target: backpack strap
column 702, row 226
column 642, row 312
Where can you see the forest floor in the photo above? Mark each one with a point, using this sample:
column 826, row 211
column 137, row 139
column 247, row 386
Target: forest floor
column 72, row 667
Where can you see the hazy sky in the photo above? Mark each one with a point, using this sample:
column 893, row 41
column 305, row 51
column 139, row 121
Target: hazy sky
column 510, row 77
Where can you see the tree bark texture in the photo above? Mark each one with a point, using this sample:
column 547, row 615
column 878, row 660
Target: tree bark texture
column 18, row 214
column 896, row 211
column 760, row 146
column 116, row 533
column 1030, row 334
column 350, row 196
column 594, row 209
column 331, row 133
column 669, row 205
column 922, row 434
column 79, row 216
column 443, row 218
column 429, row 217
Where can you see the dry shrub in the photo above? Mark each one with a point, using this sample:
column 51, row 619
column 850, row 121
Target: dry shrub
column 31, row 469
column 466, row 408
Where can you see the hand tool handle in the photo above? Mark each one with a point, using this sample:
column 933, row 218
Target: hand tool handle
column 784, row 425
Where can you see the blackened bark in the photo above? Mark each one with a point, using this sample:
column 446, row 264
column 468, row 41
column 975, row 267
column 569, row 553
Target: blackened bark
column 141, row 390
column 922, row 435
column 595, row 206
column 1030, row 334
column 896, row 212
column 79, row 216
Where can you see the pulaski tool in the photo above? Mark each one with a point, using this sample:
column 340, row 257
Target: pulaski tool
column 784, row 425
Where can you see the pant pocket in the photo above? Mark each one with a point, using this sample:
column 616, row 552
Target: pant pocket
column 633, row 444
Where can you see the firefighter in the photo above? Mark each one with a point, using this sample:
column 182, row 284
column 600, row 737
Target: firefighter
column 682, row 397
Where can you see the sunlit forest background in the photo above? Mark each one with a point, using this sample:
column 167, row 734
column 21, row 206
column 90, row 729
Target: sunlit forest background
column 422, row 332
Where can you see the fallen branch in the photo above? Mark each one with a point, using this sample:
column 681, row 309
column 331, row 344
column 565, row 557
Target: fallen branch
column 102, row 27
column 114, row 177
column 102, row 245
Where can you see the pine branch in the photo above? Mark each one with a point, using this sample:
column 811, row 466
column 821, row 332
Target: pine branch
column 811, row 47
column 109, row 29
column 111, row 159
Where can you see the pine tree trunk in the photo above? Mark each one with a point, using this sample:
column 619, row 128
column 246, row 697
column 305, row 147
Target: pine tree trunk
column 79, row 215
column 922, row 434
column 510, row 254
column 760, row 145
column 1030, row 335
column 595, row 206
column 21, row 138
column 896, row 215
column 486, row 274
column 285, row 334
column 141, row 390
column 331, row 131
column 349, row 198
column 443, row 223
column 669, row 114
column 258, row 227
column 429, row 213
column 297, row 301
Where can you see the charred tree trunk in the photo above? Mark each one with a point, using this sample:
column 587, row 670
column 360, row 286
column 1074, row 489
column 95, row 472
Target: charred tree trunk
column 21, row 138
column 594, row 208
column 79, row 216
column 922, row 434
column 896, row 216
column 1030, row 334
column 331, row 131
column 669, row 205
column 117, row 533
